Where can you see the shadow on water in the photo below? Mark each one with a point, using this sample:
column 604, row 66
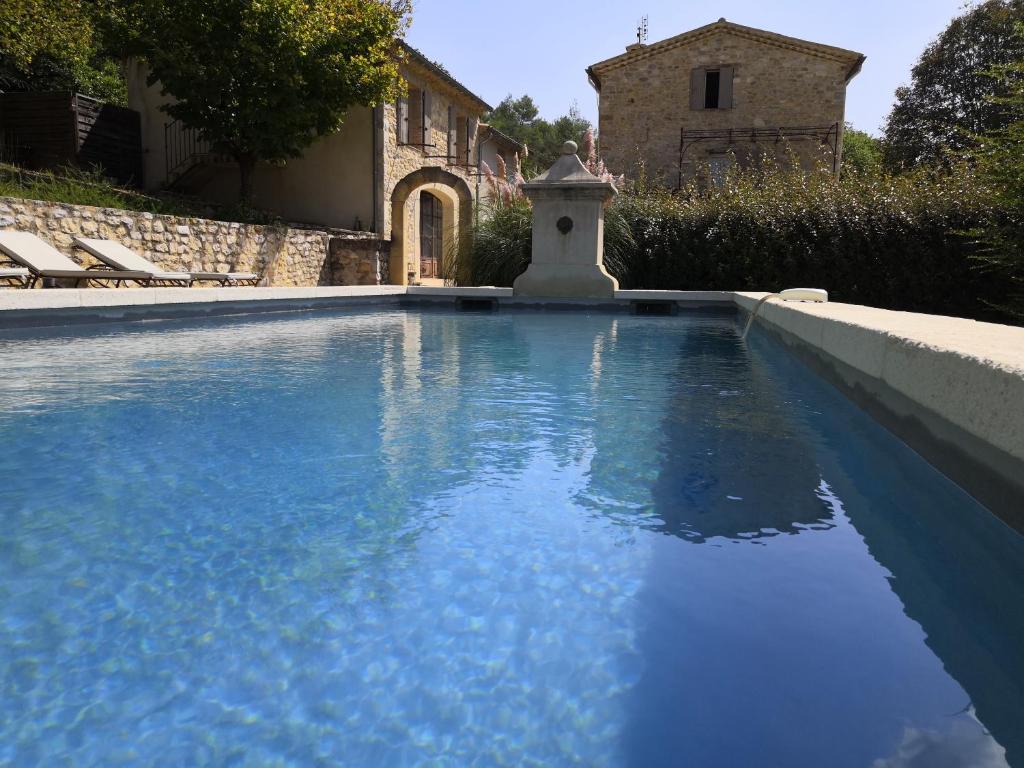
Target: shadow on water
column 749, row 442
column 726, row 437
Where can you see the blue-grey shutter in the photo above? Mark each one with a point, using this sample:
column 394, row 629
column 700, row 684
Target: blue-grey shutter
column 402, row 119
column 472, row 126
column 725, row 75
column 697, row 84
column 453, row 133
column 425, row 120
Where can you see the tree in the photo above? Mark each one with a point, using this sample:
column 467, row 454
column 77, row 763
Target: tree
column 862, row 152
column 1000, row 158
column 950, row 97
column 51, row 45
column 519, row 118
column 262, row 80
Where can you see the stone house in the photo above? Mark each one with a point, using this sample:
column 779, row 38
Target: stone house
column 408, row 171
column 695, row 103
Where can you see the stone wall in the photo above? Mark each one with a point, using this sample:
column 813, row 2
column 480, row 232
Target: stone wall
column 777, row 82
column 355, row 259
column 284, row 256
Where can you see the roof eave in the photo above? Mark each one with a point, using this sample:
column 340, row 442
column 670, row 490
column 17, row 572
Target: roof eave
column 828, row 51
column 439, row 72
column 494, row 132
column 856, row 68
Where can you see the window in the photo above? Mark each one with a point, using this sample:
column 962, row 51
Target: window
column 712, row 81
column 461, row 130
column 402, row 119
column 413, row 114
column 453, row 135
column 467, row 144
column 711, row 87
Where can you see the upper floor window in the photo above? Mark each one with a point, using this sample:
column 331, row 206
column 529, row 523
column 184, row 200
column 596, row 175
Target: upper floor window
column 413, row 113
column 453, row 134
column 469, row 131
column 461, row 130
column 711, row 88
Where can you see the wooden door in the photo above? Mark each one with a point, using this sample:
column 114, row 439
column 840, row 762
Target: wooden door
column 431, row 235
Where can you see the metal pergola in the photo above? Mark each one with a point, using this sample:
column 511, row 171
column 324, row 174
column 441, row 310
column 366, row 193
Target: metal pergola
column 825, row 135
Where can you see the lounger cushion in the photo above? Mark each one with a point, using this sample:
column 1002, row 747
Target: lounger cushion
column 121, row 257
column 27, row 249
column 229, row 276
column 16, row 272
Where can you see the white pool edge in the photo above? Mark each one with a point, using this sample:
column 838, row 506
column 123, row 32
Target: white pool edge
column 952, row 389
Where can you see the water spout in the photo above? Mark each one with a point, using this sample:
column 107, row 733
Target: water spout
column 816, row 295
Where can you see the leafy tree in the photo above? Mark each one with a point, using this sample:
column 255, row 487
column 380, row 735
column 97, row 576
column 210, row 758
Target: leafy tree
column 262, row 80
column 951, row 97
column 862, row 152
column 520, row 119
column 52, row 45
column 1000, row 157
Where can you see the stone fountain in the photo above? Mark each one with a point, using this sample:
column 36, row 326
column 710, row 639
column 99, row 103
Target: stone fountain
column 568, row 232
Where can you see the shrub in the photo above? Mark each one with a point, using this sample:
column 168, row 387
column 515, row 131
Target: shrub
column 896, row 242
column 891, row 242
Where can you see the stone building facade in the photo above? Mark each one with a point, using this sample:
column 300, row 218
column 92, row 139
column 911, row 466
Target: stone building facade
column 692, row 105
column 407, row 172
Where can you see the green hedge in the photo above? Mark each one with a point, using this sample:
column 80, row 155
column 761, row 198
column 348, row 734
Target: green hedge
column 896, row 242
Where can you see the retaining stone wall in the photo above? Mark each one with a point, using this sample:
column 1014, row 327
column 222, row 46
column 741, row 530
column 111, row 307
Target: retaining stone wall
column 285, row 256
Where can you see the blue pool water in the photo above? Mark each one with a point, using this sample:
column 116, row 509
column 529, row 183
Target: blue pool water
column 424, row 538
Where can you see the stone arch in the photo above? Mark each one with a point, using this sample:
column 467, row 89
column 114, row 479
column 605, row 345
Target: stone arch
column 457, row 201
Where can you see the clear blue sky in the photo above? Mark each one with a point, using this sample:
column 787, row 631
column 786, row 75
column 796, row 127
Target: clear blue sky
column 543, row 48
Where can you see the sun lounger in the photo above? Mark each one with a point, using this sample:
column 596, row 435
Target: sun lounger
column 14, row 276
column 117, row 256
column 121, row 257
column 227, row 278
column 43, row 260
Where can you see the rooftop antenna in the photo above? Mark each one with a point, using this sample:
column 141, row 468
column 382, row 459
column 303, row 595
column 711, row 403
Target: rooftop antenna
column 641, row 31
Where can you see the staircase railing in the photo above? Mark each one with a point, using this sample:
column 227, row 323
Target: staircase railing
column 183, row 148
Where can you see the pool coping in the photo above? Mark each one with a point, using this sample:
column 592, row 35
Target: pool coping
column 952, row 389
column 21, row 308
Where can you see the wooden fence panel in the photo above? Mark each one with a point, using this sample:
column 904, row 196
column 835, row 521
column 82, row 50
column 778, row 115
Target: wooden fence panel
column 39, row 128
column 51, row 130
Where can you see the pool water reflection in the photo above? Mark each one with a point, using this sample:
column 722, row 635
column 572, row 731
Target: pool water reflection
column 412, row 538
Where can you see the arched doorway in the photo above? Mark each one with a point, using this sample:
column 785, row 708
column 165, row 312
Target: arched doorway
column 431, row 255
column 430, row 208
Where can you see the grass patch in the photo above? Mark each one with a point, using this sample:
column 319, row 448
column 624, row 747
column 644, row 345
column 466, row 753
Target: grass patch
column 80, row 187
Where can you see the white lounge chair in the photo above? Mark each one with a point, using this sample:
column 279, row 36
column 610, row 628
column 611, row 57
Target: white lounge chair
column 17, row 276
column 117, row 256
column 43, row 260
column 120, row 257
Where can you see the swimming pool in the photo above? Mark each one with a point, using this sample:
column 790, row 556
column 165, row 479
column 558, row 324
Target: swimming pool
column 397, row 538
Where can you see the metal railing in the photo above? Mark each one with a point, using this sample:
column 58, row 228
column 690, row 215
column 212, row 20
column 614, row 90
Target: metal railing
column 183, row 148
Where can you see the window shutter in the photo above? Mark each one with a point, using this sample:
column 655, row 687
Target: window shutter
column 725, row 87
column 427, row 101
column 453, row 133
column 697, row 78
column 402, row 119
column 470, row 133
